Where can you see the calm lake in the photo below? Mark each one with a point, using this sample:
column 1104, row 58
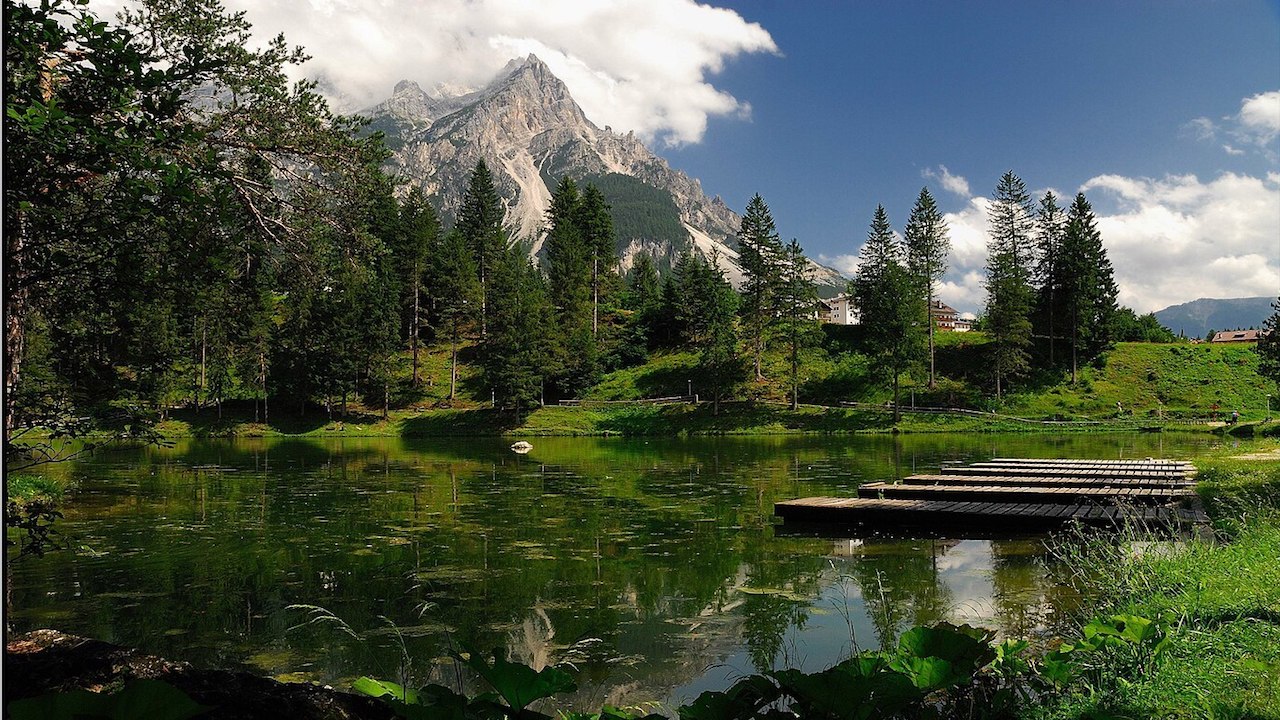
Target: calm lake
column 654, row 565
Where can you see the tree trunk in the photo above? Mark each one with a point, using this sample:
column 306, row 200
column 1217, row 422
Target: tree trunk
column 929, row 319
column 795, row 374
column 204, row 378
column 1075, row 340
column 15, row 325
column 262, row 377
column 595, row 296
column 453, row 368
column 897, row 415
column 413, row 328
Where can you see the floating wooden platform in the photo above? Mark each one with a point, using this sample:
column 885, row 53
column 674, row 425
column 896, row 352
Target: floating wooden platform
column 1026, row 493
column 1010, row 492
column 1046, row 481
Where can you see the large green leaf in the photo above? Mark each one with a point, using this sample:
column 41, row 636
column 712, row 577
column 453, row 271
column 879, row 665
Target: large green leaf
column 741, row 701
column 384, row 688
column 922, row 652
column 519, row 684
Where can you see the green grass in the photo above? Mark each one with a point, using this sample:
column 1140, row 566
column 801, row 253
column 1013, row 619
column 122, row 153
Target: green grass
column 25, row 488
column 1150, row 381
column 1219, row 599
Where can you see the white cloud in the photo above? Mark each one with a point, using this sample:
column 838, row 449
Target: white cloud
column 1169, row 240
column 642, row 65
column 1260, row 116
column 1180, row 238
column 1257, row 124
column 955, row 184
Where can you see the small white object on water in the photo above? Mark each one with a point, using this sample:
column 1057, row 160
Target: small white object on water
column 521, row 447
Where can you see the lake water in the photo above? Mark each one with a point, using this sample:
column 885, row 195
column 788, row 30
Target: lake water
column 655, row 565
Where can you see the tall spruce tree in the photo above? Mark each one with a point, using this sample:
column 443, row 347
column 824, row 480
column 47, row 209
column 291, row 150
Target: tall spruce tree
column 1009, row 294
column 760, row 254
column 515, row 350
column 480, row 220
column 414, row 246
column 596, row 226
column 1089, row 287
column 927, row 245
column 888, row 304
column 455, row 289
column 569, row 274
column 797, row 316
column 708, row 308
column 1049, row 279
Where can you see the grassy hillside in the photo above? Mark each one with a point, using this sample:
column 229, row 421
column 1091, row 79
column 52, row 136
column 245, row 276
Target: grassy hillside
column 1178, row 380
column 1154, row 384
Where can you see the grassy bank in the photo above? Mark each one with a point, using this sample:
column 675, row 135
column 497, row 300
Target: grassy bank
column 734, row 418
column 1219, row 602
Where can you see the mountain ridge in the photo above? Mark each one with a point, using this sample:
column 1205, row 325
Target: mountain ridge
column 527, row 127
column 1198, row 317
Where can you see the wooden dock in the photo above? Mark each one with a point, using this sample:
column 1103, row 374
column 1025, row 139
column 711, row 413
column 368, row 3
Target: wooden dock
column 1026, row 494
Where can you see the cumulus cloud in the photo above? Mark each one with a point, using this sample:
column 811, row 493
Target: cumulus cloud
column 955, row 184
column 1257, row 125
column 1180, row 238
column 1260, row 116
column 642, row 65
column 1170, row 240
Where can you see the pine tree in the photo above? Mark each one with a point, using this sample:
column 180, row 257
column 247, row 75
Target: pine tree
column 1088, row 288
column 797, row 302
column 455, row 288
column 481, row 220
column 927, row 245
column 414, row 247
column 1009, row 295
column 1049, row 280
column 888, row 303
column 707, row 313
column 569, row 270
column 516, row 349
column 644, row 300
column 596, row 226
column 760, row 255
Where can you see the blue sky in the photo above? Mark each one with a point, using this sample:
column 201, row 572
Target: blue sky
column 1165, row 112
column 864, row 101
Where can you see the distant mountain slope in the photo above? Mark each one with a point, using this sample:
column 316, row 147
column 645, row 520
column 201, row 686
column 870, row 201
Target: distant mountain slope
column 1198, row 317
column 530, row 132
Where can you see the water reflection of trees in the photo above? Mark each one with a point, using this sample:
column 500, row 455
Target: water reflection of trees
column 199, row 549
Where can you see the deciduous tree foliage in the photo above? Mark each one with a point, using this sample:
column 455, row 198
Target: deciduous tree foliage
column 135, row 135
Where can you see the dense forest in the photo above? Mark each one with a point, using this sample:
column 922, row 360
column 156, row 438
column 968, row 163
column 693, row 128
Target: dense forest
column 184, row 227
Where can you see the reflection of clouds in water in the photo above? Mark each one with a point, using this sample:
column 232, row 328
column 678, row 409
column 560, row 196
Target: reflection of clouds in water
column 966, row 569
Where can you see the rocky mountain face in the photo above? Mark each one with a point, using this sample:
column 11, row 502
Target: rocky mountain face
column 531, row 132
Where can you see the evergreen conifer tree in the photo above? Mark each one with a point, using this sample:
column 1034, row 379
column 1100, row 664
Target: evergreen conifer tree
column 1049, row 273
column 797, row 303
column 516, row 350
column 414, row 247
column 1089, row 287
column 480, row 220
column 1009, row 294
column 887, row 300
column 455, row 287
column 760, row 255
column 927, row 245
